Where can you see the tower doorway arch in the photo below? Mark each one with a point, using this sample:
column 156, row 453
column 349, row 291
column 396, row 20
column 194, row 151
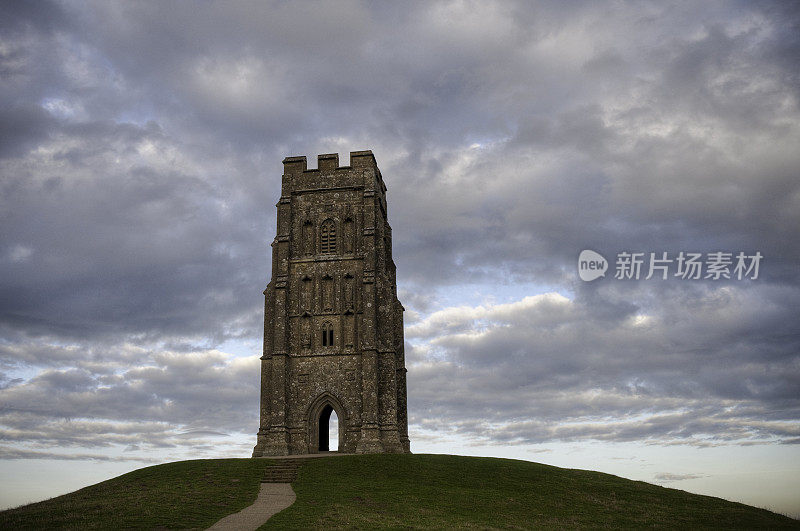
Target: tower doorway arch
column 319, row 416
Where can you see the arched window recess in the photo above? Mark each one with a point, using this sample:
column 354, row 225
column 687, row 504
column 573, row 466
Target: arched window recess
column 327, row 237
column 327, row 335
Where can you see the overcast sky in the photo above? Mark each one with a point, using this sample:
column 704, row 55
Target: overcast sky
column 140, row 162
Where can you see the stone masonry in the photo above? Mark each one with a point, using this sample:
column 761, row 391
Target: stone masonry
column 333, row 326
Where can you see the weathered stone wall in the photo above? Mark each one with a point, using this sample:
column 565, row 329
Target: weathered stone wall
column 333, row 327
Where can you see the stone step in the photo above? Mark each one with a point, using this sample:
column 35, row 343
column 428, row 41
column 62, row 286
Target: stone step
column 282, row 471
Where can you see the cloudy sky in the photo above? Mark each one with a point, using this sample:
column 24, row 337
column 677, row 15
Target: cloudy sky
column 140, row 162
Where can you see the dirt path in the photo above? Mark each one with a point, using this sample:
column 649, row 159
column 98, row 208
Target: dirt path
column 272, row 498
column 276, row 494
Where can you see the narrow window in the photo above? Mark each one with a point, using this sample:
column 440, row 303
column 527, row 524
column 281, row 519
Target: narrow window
column 328, row 237
column 327, row 335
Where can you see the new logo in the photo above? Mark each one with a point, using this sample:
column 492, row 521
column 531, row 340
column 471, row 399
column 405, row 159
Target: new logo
column 591, row 265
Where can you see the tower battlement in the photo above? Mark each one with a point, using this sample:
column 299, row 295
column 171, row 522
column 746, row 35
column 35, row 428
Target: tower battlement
column 329, row 162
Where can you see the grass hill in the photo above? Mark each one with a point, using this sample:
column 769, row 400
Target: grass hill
column 368, row 491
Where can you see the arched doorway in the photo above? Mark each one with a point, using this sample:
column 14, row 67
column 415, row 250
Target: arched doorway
column 327, row 423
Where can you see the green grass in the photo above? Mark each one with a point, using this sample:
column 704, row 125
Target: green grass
column 181, row 495
column 444, row 491
column 389, row 491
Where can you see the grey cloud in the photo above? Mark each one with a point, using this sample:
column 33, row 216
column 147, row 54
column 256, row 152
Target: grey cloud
column 45, row 16
column 168, row 401
column 667, row 476
column 17, row 453
column 22, row 128
column 202, row 391
column 198, row 433
column 125, row 250
column 711, row 373
column 140, row 161
column 631, row 173
column 5, row 381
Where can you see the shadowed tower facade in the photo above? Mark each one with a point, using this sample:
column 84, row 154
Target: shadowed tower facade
column 333, row 326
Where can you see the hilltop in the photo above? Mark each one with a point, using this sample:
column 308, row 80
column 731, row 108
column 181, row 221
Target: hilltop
column 368, row 491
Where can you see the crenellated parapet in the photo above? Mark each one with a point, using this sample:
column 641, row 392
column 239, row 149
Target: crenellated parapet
column 362, row 172
column 359, row 160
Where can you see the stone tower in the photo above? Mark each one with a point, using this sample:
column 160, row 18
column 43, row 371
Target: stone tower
column 333, row 326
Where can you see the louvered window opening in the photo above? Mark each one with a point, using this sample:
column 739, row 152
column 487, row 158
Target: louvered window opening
column 328, row 237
